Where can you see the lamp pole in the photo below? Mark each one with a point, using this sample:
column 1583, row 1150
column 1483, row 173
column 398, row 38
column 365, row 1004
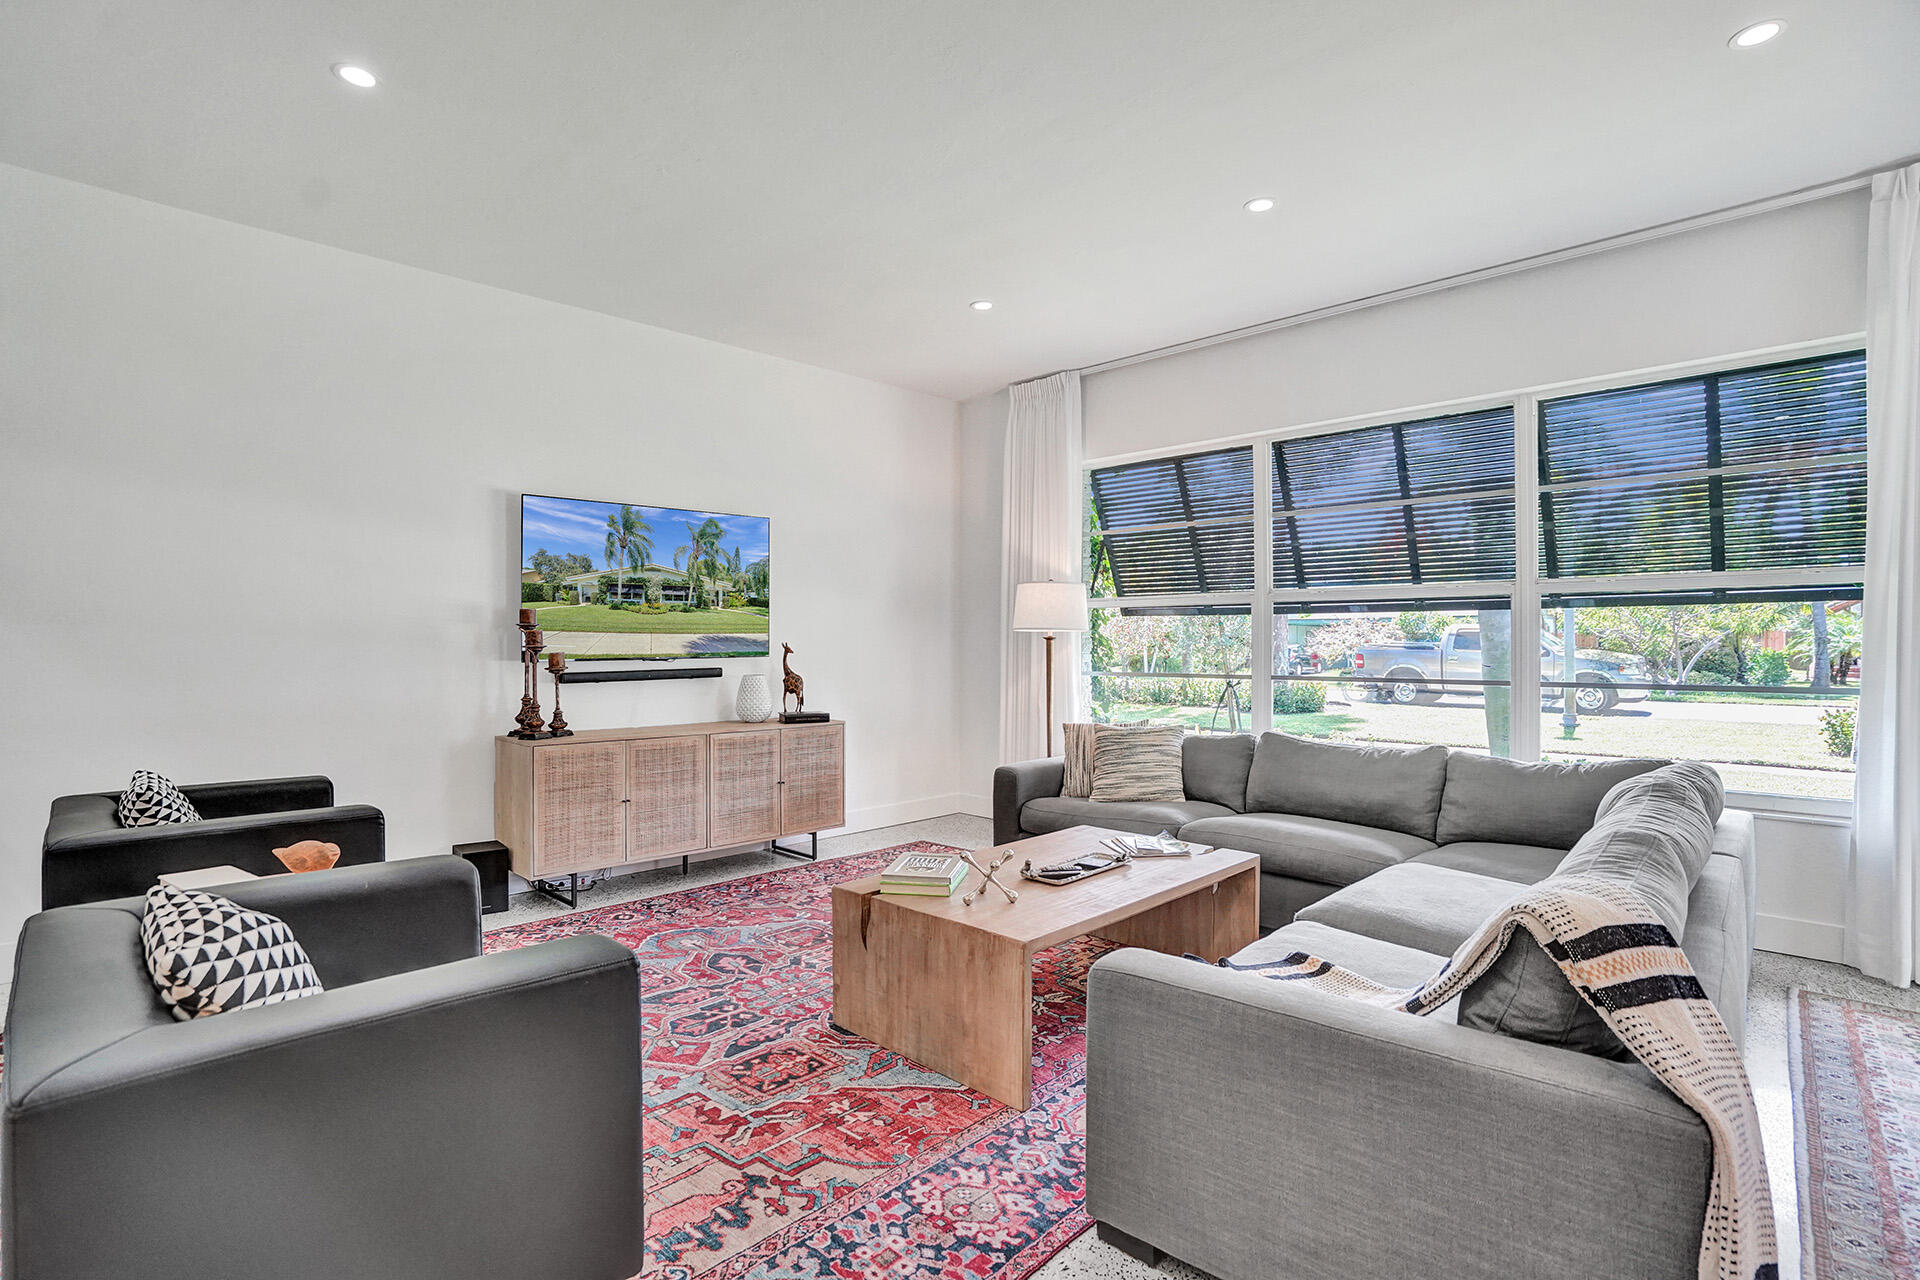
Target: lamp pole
column 1049, row 640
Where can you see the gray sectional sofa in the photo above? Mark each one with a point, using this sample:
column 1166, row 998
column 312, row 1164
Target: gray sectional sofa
column 1258, row 1129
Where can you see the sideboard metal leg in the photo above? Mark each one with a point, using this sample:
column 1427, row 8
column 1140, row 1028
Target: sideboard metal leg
column 683, row 864
column 572, row 900
column 774, row 846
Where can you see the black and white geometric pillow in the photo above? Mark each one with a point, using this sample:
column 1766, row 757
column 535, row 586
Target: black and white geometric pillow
column 151, row 800
column 209, row 954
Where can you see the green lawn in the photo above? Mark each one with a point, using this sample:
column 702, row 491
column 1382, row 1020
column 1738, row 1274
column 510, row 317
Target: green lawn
column 1751, row 754
column 597, row 617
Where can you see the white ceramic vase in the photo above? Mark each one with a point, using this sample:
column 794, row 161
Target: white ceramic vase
column 754, row 703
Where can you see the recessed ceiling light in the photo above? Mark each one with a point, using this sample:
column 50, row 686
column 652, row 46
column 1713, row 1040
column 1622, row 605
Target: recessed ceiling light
column 1757, row 34
column 1259, row 205
column 981, row 304
column 358, row 77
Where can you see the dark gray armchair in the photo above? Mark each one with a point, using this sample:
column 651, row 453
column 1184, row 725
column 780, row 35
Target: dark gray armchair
column 436, row 1114
column 88, row 856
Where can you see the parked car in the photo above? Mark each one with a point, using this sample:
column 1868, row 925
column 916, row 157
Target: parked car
column 1301, row 661
column 1421, row 670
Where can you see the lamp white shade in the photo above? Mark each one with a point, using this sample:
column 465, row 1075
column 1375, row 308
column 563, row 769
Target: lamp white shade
column 1050, row 606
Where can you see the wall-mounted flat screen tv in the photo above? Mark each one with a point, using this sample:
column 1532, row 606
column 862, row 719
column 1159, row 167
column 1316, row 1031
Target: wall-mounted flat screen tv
column 621, row 580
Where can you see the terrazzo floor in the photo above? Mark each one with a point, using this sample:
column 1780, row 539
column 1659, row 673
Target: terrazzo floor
column 1086, row 1258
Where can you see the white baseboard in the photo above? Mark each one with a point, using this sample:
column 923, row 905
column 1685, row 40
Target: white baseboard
column 892, row 815
column 1813, row 939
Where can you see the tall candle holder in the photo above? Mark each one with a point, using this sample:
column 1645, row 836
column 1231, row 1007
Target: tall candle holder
column 531, row 644
column 557, row 727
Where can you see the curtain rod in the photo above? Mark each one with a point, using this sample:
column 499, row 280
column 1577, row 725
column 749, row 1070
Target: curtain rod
column 1731, row 213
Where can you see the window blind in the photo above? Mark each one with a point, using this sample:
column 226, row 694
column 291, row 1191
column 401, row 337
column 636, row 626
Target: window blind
column 1755, row 469
column 1413, row 502
column 1175, row 526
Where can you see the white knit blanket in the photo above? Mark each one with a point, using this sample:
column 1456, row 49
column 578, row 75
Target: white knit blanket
column 1623, row 961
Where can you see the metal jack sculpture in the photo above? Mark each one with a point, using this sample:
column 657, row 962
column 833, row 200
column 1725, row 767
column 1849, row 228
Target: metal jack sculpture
column 967, row 898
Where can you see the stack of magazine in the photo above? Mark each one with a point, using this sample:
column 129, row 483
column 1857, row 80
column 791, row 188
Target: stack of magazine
column 931, row 875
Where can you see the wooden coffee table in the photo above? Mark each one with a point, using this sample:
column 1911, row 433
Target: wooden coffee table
column 951, row 986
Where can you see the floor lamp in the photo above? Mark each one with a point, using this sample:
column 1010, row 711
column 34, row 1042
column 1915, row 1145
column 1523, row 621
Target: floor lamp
column 1050, row 607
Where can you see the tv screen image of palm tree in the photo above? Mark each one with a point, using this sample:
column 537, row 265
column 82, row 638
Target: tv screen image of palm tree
column 620, row 580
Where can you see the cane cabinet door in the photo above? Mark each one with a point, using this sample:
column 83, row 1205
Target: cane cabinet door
column 743, row 772
column 666, row 796
column 812, row 779
column 579, row 811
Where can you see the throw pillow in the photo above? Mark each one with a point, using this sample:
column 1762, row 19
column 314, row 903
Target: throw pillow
column 1131, row 763
column 151, row 800
column 209, row 954
column 1077, row 741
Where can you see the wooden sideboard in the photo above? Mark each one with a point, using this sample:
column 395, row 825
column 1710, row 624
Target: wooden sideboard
column 608, row 797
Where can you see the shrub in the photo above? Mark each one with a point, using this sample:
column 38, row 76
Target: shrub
column 1299, row 697
column 1769, row 667
column 535, row 593
column 1836, row 726
column 653, row 590
column 736, row 601
column 653, row 606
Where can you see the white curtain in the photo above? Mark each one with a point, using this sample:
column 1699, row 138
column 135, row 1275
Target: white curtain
column 1883, row 904
column 1041, row 541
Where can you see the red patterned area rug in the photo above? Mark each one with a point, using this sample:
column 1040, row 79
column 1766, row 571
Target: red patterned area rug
column 779, row 1149
column 1856, row 1117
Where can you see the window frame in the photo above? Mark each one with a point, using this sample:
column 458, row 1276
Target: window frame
column 1525, row 589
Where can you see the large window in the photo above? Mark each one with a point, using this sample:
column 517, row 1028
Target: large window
column 1691, row 583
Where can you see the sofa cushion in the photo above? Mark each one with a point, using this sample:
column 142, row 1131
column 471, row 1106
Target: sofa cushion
column 1520, row 863
column 1653, row 833
column 1142, row 817
column 1396, row 788
column 1131, row 763
column 1551, row 803
column 1307, row 848
column 1387, row 962
column 1215, row 767
column 1428, row 908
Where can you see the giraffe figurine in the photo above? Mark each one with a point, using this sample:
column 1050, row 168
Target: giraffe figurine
column 791, row 685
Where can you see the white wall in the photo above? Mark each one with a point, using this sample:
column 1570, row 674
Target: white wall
column 1793, row 275
column 979, row 472
column 261, row 517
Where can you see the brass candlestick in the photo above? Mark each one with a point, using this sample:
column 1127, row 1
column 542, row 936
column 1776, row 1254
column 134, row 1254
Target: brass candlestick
column 557, row 727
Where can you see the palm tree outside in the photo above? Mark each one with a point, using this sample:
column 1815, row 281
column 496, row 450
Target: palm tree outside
column 629, row 543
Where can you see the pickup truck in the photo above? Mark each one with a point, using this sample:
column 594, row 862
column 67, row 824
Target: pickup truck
column 1421, row 670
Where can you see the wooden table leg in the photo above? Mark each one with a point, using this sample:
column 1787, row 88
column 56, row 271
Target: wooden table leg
column 954, row 999
column 1213, row 921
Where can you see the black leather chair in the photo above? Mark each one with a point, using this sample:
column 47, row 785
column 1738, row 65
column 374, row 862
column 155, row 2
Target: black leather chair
column 435, row 1114
column 88, row 856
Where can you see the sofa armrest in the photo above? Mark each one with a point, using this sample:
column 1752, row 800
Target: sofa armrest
column 361, row 923
column 1233, row 1120
column 380, row 1129
column 1015, row 784
column 260, row 795
column 81, row 863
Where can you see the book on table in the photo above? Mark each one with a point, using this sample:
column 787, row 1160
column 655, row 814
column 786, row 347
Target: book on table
column 934, row 875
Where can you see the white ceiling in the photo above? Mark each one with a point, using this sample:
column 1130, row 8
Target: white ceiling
column 835, row 181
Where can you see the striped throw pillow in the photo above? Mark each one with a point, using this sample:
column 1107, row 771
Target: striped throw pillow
column 1077, row 741
column 1131, row 763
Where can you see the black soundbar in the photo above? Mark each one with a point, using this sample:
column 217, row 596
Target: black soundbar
column 670, row 673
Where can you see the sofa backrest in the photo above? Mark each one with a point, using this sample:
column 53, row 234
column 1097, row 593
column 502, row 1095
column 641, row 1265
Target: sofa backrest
column 1549, row 803
column 1214, row 767
column 1393, row 788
